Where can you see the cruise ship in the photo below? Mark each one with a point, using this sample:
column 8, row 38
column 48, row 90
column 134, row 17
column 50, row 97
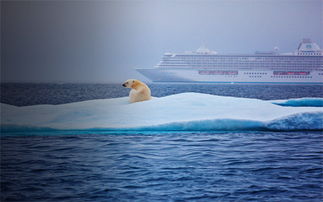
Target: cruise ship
column 305, row 65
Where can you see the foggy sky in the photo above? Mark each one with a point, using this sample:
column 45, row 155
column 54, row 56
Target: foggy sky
column 103, row 41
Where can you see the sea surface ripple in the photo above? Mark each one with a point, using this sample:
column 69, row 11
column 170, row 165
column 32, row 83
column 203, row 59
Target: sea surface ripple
column 259, row 166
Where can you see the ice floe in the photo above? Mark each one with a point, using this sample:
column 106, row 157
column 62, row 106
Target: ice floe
column 179, row 112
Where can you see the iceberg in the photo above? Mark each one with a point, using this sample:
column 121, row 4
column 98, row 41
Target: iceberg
column 179, row 112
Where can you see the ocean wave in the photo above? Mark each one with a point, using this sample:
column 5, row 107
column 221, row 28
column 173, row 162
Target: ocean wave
column 179, row 112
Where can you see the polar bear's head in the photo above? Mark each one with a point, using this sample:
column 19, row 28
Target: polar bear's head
column 130, row 83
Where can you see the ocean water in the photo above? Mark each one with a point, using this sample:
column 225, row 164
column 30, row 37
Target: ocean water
column 159, row 165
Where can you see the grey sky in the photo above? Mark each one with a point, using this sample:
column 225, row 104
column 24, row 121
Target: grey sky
column 103, row 41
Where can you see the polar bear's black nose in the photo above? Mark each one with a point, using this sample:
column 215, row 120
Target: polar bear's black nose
column 124, row 85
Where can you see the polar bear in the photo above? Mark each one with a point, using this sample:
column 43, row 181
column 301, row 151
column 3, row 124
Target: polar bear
column 139, row 90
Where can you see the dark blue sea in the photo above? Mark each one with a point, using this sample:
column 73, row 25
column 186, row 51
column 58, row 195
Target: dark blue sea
column 159, row 166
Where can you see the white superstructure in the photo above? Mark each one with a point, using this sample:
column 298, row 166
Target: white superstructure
column 305, row 65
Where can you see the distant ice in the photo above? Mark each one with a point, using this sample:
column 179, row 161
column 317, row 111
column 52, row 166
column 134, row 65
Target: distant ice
column 180, row 112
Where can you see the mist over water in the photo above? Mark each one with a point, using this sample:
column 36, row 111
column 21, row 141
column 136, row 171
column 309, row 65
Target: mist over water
column 104, row 41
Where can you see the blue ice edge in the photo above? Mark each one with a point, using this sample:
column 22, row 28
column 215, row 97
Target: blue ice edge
column 186, row 112
column 297, row 122
column 301, row 102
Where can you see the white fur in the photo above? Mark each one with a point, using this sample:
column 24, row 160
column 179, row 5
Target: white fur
column 139, row 90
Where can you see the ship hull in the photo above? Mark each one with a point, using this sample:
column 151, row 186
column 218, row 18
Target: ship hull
column 231, row 76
